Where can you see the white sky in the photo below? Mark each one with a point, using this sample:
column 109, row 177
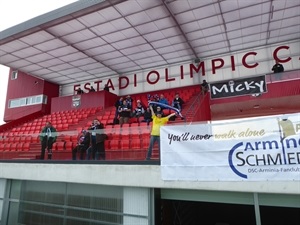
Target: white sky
column 13, row 13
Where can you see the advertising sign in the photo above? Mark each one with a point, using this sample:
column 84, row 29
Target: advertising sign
column 250, row 150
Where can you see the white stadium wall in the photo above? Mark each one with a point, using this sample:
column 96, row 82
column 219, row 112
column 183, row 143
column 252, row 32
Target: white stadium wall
column 245, row 63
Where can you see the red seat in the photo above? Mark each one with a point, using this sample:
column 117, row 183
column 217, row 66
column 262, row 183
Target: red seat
column 59, row 127
column 135, row 143
column 135, row 134
column 135, row 124
column 28, row 139
column 115, row 144
column 13, row 147
column 54, row 146
column 107, row 145
column 125, row 144
column 69, row 145
column 145, row 143
column 67, row 138
column 60, row 146
column 7, row 147
column 26, row 146
column 125, row 135
column 19, row 147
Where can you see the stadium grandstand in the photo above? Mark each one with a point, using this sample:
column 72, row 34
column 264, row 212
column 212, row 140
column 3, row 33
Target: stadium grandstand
column 232, row 159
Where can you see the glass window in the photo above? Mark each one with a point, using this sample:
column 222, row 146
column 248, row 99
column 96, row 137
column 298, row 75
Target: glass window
column 45, row 99
column 14, row 103
column 32, row 100
column 58, row 203
column 22, row 101
column 14, row 74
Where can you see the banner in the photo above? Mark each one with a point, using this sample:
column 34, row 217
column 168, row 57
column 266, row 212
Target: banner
column 249, row 150
column 238, row 87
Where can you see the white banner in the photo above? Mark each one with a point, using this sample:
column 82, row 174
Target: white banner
column 250, row 150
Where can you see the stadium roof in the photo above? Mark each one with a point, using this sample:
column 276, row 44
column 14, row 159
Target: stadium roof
column 89, row 40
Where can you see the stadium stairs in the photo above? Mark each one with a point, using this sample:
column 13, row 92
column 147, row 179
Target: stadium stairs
column 129, row 142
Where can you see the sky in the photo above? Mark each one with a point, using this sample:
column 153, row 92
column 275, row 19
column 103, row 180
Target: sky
column 16, row 12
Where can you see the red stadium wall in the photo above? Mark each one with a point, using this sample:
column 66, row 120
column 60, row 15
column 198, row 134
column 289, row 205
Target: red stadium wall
column 203, row 112
column 88, row 100
column 25, row 86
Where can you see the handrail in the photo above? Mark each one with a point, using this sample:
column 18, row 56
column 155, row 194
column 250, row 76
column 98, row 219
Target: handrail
column 193, row 108
column 282, row 77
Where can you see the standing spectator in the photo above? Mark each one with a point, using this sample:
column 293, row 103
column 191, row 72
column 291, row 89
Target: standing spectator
column 79, row 91
column 106, row 88
column 117, row 105
column 48, row 137
column 204, row 87
column 97, row 141
column 158, row 121
column 124, row 112
column 278, row 68
column 147, row 116
column 82, row 145
column 177, row 102
column 138, row 111
column 92, row 89
column 159, row 111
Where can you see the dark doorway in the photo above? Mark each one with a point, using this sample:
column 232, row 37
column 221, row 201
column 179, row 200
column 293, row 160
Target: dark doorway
column 271, row 215
column 176, row 212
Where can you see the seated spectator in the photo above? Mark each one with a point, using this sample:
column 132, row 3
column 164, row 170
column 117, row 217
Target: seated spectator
column 177, row 102
column 153, row 98
column 106, row 88
column 129, row 100
column 138, row 111
column 82, row 144
column 147, row 116
column 163, row 100
column 124, row 112
column 92, row 89
column 204, row 87
column 79, row 91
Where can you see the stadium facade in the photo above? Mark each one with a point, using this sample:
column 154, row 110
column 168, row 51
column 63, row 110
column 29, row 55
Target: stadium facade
column 233, row 162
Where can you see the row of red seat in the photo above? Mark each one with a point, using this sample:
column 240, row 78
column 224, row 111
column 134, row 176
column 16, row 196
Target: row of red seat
column 20, row 146
column 130, row 137
column 113, row 144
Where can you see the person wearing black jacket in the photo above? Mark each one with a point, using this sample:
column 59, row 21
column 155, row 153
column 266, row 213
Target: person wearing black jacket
column 48, row 136
column 97, row 141
column 83, row 144
column 118, row 103
column 278, row 68
column 177, row 102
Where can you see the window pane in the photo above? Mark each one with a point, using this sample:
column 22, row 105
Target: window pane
column 13, row 213
column 14, row 103
column 45, row 99
column 23, row 101
column 14, row 75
